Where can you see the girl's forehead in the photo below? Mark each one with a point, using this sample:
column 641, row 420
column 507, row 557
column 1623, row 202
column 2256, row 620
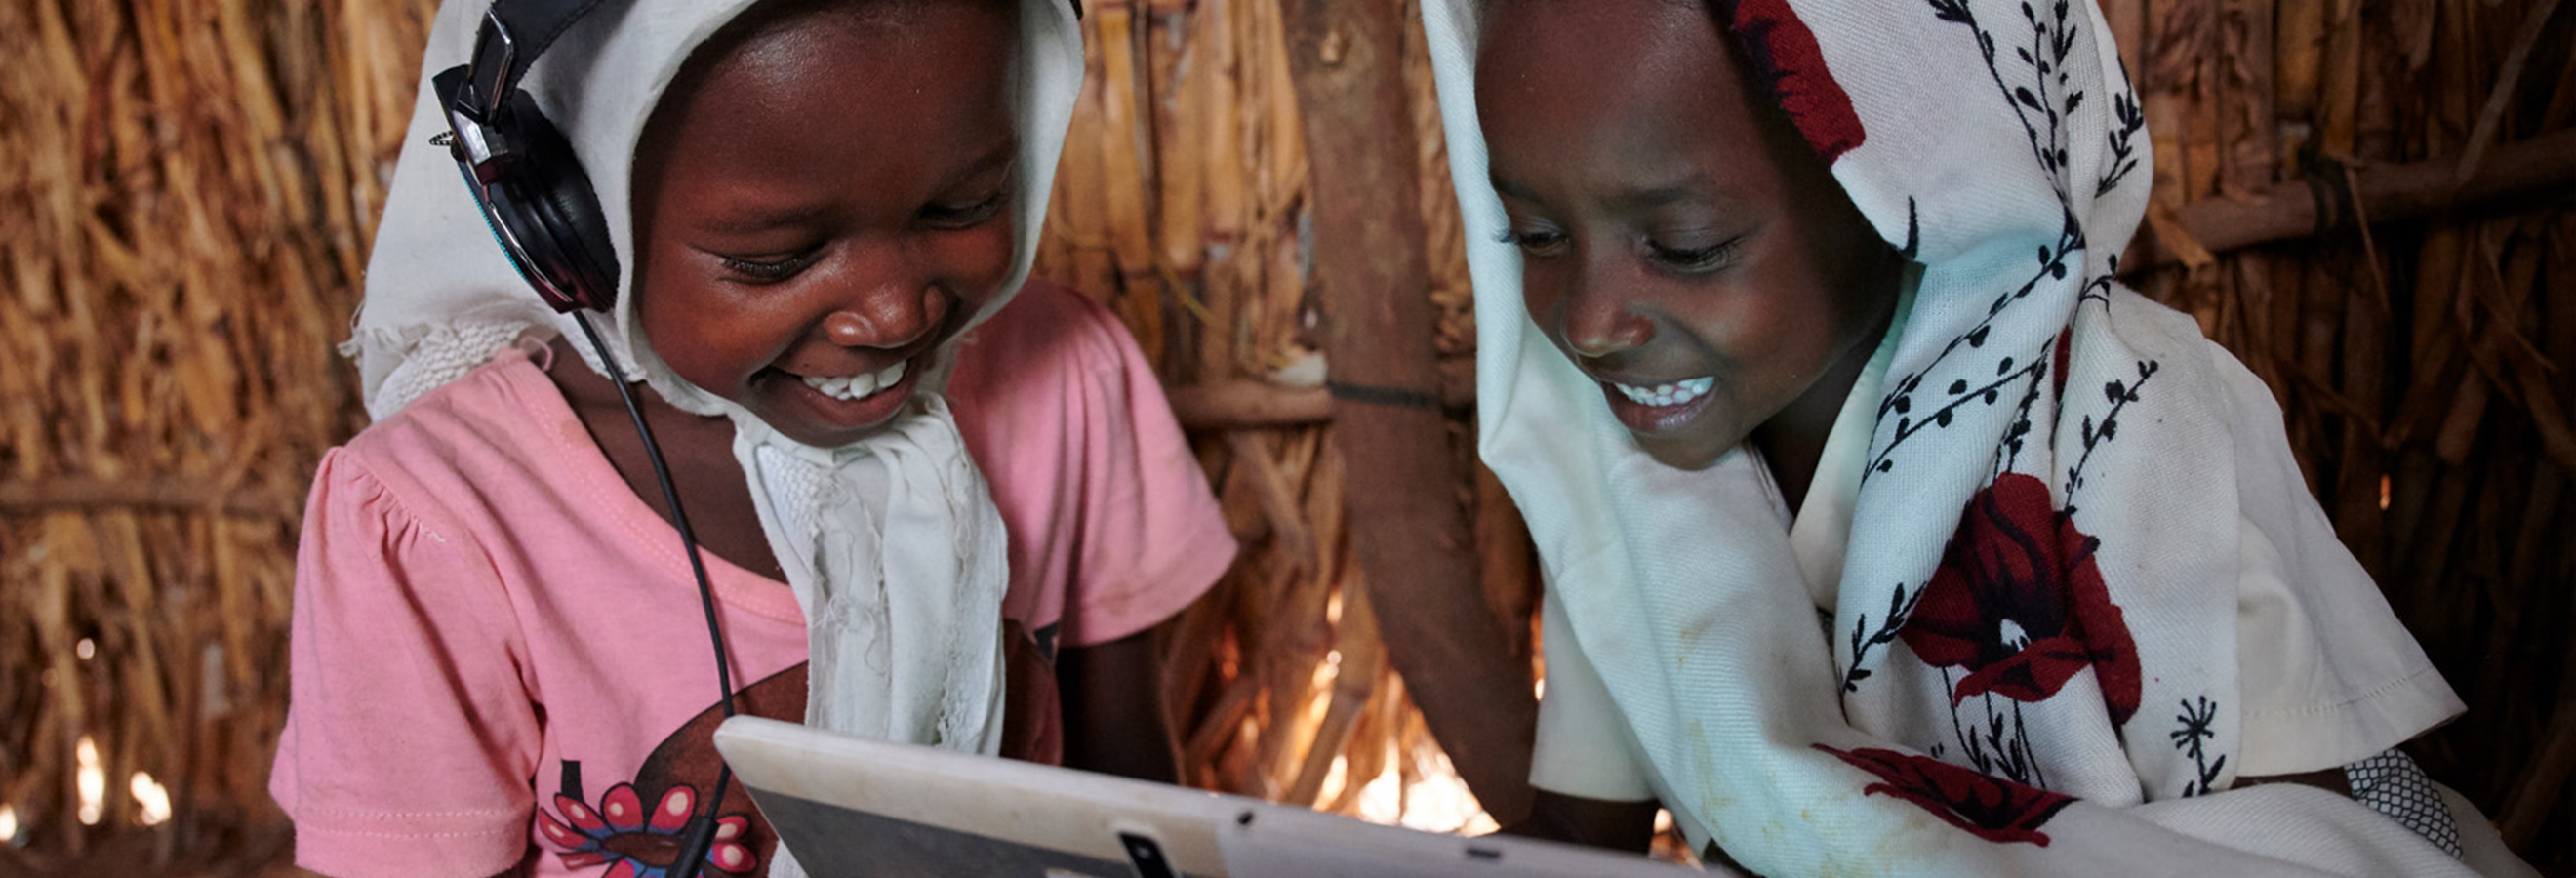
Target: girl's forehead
column 1628, row 99
column 816, row 88
column 825, row 119
column 780, row 39
column 1600, row 33
column 1606, row 57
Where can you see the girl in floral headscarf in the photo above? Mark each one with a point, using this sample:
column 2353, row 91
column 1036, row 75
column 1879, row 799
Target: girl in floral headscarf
column 1885, row 531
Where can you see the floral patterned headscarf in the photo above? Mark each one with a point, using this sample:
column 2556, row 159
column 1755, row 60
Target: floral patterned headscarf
column 2084, row 586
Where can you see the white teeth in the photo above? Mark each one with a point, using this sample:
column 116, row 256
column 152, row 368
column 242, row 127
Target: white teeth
column 858, row 386
column 1662, row 395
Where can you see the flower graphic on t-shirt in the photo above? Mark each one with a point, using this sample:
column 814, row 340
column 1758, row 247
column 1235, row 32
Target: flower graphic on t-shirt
column 2019, row 603
column 636, row 843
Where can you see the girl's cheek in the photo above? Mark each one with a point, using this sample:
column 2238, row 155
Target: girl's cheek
column 980, row 262
column 1539, row 298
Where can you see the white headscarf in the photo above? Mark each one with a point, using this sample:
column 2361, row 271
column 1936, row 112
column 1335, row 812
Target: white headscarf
column 2046, row 444
column 892, row 544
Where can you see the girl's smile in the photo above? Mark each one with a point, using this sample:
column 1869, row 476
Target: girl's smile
column 1651, row 409
column 851, row 402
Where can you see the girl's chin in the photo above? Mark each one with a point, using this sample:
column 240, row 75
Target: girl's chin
column 1682, row 452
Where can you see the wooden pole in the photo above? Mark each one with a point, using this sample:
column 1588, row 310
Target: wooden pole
column 1409, row 532
column 75, row 494
column 2531, row 171
column 1242, row 404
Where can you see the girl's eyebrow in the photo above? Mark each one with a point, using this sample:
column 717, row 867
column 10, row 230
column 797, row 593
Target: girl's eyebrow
column 755, row 220
column 1001, row 155
column 1694, row 187
column 1662, row 195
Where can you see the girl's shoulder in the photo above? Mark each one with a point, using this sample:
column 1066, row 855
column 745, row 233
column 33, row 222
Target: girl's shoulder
column 473, row 447
column 1047, row 329
column 494, row 409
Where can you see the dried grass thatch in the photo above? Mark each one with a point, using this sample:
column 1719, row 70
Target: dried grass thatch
column 189, row 190
column 188, row 199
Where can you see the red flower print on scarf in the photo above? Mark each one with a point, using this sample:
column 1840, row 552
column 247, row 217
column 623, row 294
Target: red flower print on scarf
column 1992, row 808
column 636, row 843
column 1784, row 52
column 2018, row 602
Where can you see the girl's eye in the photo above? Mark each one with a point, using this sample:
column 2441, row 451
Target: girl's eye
column 1696, row 259
column 767, row 269
column 1534, row 242
column 951, row 217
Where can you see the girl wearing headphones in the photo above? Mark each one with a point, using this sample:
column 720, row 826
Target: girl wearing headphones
column 944, row 503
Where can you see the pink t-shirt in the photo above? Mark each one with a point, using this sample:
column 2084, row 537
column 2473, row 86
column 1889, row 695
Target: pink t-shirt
column 497, row 644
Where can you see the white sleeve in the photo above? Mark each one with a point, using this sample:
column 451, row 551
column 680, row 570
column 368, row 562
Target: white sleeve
column 2329, row 675
column 1584, row 746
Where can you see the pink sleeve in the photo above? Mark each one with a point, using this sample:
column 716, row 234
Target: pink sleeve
column 411, row 736
column 1153, row 539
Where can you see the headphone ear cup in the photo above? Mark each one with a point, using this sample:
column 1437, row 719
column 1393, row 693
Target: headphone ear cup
column 558, row 215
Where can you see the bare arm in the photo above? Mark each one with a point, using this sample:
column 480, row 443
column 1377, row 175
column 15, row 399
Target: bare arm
column 1113, row 709
column 1621, row 826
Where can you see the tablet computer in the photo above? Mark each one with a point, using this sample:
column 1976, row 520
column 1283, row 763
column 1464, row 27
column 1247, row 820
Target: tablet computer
column 858, row 807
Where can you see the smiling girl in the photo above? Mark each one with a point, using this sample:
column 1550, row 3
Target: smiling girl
column 944, row 503
column 1885, row 531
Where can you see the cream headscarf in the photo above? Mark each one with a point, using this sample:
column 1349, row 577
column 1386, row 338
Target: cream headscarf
column 2076, row 523
column 892, row 544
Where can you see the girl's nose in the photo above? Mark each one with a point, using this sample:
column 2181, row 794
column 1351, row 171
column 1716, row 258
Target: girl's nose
column 1600, row 321
column 890, row 316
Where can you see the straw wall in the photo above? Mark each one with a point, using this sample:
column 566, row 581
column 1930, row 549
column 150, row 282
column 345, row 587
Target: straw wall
column 186, row 201
column 187, row 189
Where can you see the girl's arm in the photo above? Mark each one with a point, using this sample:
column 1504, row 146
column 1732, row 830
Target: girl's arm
column 1114, row 720
column 1620, row 826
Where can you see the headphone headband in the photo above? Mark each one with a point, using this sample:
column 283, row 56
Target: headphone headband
column 512, row 36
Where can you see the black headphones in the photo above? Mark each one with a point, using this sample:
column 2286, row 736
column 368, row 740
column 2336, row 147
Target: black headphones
column 521, row 170
column 542, row 211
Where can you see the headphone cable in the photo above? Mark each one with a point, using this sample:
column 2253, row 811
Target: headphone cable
column 699, row 835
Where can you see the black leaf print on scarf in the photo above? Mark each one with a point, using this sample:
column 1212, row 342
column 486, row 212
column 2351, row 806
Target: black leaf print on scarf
column 1899, row 609
column 1900, row 402
column 2095, row 435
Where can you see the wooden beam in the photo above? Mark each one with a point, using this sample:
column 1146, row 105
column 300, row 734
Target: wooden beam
column 2528, row 172
column 1237, row 405
column 1409, row 531
column 84, row 494
column 1248, row 405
